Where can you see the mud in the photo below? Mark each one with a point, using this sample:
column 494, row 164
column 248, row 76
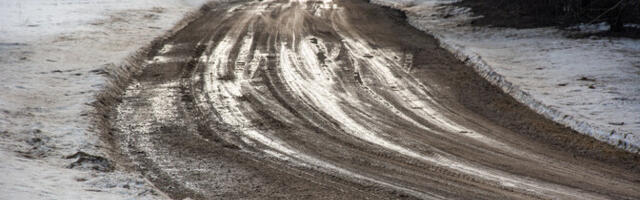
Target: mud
column 341, row 100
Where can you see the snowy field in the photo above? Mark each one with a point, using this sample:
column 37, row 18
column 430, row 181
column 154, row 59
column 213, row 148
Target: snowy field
column 591, row 85
column 52, row 55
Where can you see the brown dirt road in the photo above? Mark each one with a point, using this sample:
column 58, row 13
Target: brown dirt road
column 342, row 100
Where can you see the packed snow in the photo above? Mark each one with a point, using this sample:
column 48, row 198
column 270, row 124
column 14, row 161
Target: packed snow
column 53, row 54
column 591, row 85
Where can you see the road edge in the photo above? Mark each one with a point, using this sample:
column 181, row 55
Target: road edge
column 118, row 77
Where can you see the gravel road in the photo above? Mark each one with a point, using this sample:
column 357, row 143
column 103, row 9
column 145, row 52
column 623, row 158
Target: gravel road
column 342, row 100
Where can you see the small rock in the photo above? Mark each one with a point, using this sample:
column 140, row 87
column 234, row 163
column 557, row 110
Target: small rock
column 88, row 161
column 586, row 79
column 34, row 141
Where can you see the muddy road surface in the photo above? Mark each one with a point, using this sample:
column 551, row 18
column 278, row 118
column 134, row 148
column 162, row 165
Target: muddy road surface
column 342, row 100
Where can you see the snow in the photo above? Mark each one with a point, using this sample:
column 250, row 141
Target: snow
column 591, row 85
column 36, row 179
column 53, row 54
column 591, row 28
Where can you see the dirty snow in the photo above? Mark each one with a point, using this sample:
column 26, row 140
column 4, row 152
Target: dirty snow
column 591, row 85
column 52, row 56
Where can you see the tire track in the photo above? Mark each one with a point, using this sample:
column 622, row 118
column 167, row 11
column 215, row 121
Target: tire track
column 299, row 99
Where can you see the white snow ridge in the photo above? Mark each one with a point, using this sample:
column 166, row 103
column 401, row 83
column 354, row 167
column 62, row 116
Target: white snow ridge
column 591, row 85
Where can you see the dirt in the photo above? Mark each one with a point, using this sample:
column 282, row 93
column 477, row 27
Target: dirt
column 315, row 100
column 522, row 14
column 87, row 161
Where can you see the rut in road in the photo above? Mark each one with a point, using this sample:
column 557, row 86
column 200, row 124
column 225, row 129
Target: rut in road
column 339, row 100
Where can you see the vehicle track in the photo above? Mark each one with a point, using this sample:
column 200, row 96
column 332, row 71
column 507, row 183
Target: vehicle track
column 343, row 100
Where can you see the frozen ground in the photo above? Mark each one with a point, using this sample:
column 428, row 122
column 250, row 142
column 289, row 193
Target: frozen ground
column 52, row 56
column 591, row 85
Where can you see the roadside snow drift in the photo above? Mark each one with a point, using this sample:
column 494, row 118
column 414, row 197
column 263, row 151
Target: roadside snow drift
column 54, row 56
column 591, row 85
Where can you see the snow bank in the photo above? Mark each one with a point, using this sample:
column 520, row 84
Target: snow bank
column 54, row 55
column 591, row 85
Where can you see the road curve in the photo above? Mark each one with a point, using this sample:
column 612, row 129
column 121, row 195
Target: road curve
column 342, row 100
